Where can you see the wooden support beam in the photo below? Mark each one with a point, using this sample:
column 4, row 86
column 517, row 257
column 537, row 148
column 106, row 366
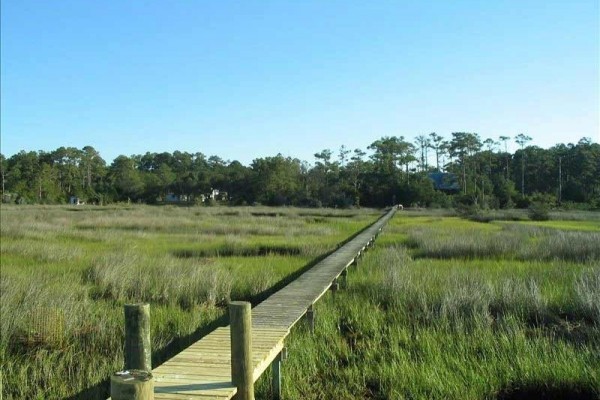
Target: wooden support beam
column 276, row 368
column 138, row 353
column 344, row 279
column 310, row 318
column 240, row 319
column 334, row 286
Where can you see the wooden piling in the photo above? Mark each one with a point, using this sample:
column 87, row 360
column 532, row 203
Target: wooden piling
column 138, row 353
column 344, row 279
column 310, row 318
column 132, row 385
column 276, row 368
column 334, row 286
column 240, row 321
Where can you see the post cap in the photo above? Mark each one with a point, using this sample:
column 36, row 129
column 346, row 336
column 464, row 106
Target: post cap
column 133, row 374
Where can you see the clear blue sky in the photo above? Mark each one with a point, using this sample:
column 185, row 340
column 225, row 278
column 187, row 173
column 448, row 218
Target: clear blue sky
column 250, row 79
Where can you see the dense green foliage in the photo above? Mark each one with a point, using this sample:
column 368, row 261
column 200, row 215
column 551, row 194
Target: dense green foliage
column 396, row 171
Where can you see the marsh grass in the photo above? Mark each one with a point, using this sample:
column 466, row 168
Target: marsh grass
column 498, row 215
column 452, row 328
column 132, row 277
column 466, row 310
column 66, row 273
column 587, row 295
column 504, row 241
column 575, row 215
column 523, row 215
column 48, row 314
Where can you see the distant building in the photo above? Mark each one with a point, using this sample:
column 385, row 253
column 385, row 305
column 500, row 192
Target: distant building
column 75, row 201
column 172, row 198
column 217, row 194
column 444, row 181
column 176, row 198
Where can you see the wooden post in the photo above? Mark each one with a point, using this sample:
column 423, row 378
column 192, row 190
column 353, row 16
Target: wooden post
column 334, row 286
column 310, row 317
column 138, row 354
column 276, row 368
column 344, row 278
column 132, row 385
column 240, row 321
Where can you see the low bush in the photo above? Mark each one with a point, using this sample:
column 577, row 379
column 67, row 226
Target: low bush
column 539, row 211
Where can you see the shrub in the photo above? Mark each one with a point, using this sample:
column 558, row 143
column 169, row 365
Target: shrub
column 481, row 217
column 522, row 201
column 466, row 210
column 539, row 211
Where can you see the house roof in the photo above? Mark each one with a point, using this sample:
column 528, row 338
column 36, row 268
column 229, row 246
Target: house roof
column 444, row 181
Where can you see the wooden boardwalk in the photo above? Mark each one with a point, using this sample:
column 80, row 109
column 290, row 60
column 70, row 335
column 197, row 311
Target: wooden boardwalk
column 203, row 370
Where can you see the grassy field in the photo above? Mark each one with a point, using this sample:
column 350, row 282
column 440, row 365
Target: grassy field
column 67, row 271
column 446, row 308
column 442, row 308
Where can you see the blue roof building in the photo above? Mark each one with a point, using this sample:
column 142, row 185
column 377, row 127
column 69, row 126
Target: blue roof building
column 444, row 181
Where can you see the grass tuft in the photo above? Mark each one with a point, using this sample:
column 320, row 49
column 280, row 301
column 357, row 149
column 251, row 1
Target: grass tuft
column 127, row 277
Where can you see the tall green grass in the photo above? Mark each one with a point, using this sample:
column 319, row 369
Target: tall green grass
column 517, row 241
column 67, row 271
column 445, row 325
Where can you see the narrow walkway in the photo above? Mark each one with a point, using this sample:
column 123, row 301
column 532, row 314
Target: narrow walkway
column 203, row 370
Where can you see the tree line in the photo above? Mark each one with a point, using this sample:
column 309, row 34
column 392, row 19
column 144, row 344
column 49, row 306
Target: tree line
column 431, row 171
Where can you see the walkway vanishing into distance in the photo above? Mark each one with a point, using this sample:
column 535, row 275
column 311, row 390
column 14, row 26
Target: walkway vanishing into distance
column 203, row 370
